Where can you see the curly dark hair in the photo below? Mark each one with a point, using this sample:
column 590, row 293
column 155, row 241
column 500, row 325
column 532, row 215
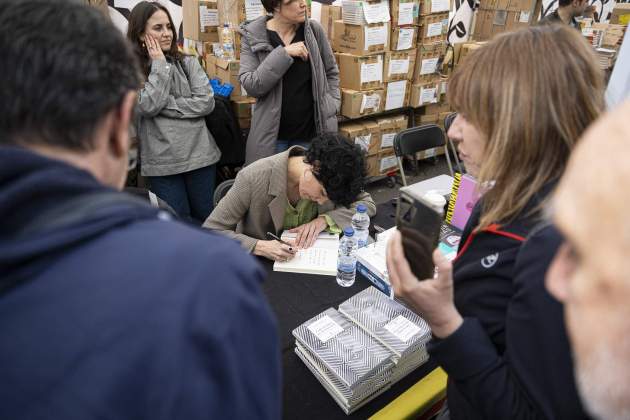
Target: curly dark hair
column 339, row 165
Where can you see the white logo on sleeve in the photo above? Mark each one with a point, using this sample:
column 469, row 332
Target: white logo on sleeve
column 489, row 260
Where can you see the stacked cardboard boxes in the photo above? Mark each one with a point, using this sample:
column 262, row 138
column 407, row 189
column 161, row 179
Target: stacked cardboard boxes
column 200, row 27
column 497, row 16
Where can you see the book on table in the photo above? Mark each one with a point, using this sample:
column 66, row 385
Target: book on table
column 321, row 258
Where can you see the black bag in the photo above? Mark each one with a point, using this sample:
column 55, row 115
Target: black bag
column 224, row 127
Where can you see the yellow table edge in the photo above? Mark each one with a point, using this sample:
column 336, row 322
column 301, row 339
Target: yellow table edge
column 416, row 399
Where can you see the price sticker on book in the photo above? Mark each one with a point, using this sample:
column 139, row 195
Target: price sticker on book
column 401, row 328
column 325, row 328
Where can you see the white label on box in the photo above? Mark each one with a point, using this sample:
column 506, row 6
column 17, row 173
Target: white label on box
column 376, row 12
column 443, row 87
column 405, row 13
column 399, row 66
column 208, row 17
column 439, row 6
column 395, row 98
column 325, row 328
column 402, row 328
column 352, row 12
column 524, row 17
column 429, row 66
column 388, row 162
column 428, row 95
column 372, row 72
column 430, row 152
column 405, row 39
column 363, row 141
column 434, row 29
column 253, row 9
column 370, row 102
column 375, row 35
column 387, row 140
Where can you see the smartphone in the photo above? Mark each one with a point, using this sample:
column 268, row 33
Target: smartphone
column 415, row 214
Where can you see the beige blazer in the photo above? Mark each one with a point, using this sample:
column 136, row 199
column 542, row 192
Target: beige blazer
column 257, row 202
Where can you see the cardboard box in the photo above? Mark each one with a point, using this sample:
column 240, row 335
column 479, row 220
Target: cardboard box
column 431, row 7
column 399, row 65
column 355, row 104
column 359, row 12
column 427, row 65
column 361, row 39
column 433, row 28
column 360, row 72
column 226, row 71
column 390, row 126
column 329, row 14
column 243, row 107
column 429, row 153
column 424, row 94
column 362, row 135
column 405, row 12
column 513, row 5
column 397, row 94
column 383, row 163
column 200, row 20
column 244, row 123
column 375, row 135
column 403, row 38
column 488, row 23
column 198, row 49
column 620, row 14
column 440, row 107
column 235, row 12
column 466, row 48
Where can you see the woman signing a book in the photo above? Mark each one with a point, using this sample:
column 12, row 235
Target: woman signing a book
column 305, row 191
column 523, row 100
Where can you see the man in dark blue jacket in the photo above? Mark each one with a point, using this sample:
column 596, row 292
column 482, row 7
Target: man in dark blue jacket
column 108, row 309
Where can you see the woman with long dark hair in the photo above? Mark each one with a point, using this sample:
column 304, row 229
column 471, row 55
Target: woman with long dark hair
column 177, row 152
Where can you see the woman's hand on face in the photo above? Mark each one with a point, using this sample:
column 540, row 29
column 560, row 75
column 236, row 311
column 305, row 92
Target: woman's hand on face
column 430, row 298
column 297, row 49
column 274, row 250
column 307, row 233
column 153, row 48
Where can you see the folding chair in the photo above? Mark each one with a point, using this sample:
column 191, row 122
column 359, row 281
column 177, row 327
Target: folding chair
column 221, row 190
column 447, row 124
column 417, row 139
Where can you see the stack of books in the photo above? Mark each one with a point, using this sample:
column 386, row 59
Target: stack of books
column 358, row 352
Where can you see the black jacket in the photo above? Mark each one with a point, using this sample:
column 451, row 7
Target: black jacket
column 510, row 359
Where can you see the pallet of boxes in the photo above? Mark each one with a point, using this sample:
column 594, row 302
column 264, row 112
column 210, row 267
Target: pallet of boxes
column 210, row 32
column 373, row 79
column 428, row 91
column 498, row 16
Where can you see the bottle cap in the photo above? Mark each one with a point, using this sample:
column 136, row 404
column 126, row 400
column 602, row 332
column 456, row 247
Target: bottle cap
column 361, row 208
column 348, row 231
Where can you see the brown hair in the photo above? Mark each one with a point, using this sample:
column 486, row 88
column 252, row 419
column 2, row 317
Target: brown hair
column 138, row 18
column 531, row 94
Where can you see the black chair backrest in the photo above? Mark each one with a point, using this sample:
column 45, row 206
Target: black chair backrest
column 448, row 121
column 416, row 139
column 221, row 190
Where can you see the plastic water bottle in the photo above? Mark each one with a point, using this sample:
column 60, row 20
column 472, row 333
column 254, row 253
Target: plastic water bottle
column 227, row 42
column 347, row 259
column 361, row 225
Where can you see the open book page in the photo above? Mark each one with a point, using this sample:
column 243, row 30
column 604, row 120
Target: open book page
column 321, row 258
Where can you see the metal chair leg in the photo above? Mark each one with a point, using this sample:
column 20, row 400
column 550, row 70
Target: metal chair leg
column 402, row 170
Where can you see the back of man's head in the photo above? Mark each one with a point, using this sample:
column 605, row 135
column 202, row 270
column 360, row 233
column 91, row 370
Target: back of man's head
column 64, row 68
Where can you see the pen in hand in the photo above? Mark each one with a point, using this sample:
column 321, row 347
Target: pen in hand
column 271, row 235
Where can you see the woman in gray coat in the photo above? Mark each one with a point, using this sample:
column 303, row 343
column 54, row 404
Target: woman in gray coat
column 177, row 152
column 288, row 65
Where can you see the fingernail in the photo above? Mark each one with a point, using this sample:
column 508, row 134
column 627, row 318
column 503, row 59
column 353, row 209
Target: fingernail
column 290, row 248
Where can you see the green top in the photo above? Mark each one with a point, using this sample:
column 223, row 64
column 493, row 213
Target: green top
column 303, row 212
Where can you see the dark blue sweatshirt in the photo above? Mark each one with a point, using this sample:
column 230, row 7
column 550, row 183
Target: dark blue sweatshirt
column 123, row 315
column 510, row 359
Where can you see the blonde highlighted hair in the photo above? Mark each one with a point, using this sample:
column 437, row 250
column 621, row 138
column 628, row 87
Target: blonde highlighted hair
column 531, row 94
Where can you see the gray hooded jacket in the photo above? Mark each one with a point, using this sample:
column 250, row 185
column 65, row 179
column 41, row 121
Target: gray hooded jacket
column 261, row 71
column 170, row 123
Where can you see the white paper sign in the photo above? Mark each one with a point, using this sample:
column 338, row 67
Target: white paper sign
column 370, row 102
column 430, row 152
column 372, row 72
column 524, row 17
column 363, row 141
column 375, row 35
column 405, row 13
column 387, row 163
column 376, row 12
column 395, row 99
column 429, row 66
column 405, row 39
column 398, row 66
column 402, row 328
column 208, row 17
column 439, row 6
column 387, row 140
column 443, row 87
column 253, row 9
column 434, row 29
column 325, row 328
column 428, row 95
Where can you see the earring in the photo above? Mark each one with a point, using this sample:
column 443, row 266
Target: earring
column 143, row 45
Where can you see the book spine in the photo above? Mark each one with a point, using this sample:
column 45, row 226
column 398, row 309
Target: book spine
column 451, row 202
column 378, row 282
column 467, row 197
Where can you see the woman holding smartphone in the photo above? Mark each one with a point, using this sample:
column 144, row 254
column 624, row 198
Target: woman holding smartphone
column 523, row 100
